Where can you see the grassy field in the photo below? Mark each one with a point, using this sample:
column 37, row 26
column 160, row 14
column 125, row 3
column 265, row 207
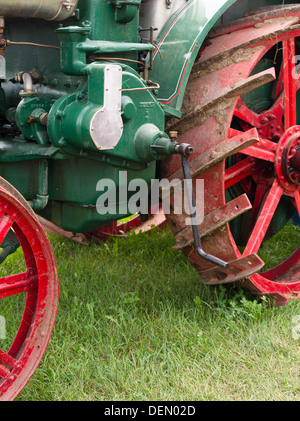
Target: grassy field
column 135, row 323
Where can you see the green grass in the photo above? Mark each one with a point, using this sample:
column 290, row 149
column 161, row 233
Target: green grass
column 135, row 323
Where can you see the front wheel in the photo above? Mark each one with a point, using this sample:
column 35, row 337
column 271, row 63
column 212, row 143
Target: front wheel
column 28, row 292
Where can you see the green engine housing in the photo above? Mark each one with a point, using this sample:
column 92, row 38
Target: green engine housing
column 76, row 109
column 86, row 87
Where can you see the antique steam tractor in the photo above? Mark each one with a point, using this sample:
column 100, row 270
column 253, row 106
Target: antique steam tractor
column 154, row 89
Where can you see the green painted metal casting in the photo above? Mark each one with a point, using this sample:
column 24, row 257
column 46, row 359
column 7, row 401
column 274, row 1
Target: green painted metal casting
column 53, row 141
column 100, row 94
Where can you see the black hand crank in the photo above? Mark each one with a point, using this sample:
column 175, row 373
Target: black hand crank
column 185, row 151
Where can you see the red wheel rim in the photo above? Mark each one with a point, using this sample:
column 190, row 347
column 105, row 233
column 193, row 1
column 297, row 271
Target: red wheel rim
column 39, row 284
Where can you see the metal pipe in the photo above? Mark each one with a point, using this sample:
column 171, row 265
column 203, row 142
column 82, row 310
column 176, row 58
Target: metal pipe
column 43, row 9
column 42, row 197
column 28, row 84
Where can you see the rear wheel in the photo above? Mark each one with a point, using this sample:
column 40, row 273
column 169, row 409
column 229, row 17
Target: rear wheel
column 240, row 115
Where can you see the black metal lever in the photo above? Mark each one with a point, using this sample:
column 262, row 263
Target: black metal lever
column 185, row 151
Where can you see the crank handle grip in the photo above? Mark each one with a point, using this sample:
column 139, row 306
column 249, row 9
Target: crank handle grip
column 212, row 259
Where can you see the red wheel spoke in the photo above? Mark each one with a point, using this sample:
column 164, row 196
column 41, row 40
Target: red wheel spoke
column 266, row 214
column 259, row 152
column 290, row 88
column 239, row 172
column 7, row 363
column 243, row 113
column 267, row 144
column 280, row 83
column 263, row 122
column 297, row 199
column 5, row 225
column 261, row 189
column 15, row 284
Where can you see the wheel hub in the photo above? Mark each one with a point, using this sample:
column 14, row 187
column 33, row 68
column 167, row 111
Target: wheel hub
column 287, row 162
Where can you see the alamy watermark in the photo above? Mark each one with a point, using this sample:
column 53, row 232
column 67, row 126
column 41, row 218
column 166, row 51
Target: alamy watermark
column 296, row 69
column 2, row 328
column 135, row 196
column 296, row 327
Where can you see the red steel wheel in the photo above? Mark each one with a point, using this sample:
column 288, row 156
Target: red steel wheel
column 28, row 298
column 255, row 151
